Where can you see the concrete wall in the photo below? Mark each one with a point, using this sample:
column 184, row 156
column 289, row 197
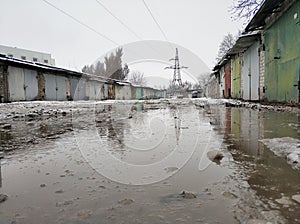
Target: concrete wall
column 213, row 88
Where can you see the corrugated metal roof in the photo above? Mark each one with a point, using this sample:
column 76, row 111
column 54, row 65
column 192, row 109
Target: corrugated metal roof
column 268, row 7
column 222, row 62
column 47, row 68
column 243, row 43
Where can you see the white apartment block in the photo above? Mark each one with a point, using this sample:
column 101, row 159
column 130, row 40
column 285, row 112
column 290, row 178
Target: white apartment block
column 27, row 55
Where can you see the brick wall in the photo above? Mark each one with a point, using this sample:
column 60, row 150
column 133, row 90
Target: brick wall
column 261, row 74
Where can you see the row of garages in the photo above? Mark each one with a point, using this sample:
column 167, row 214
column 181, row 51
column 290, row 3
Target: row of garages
column 27, row 81
column 264, row 63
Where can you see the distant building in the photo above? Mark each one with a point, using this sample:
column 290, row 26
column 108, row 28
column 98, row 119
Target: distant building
column 33, row 56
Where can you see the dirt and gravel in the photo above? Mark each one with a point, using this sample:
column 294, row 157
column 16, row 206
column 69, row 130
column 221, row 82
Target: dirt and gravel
column 54, row 170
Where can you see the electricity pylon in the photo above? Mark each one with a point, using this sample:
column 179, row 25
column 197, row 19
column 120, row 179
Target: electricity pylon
column 176, row 67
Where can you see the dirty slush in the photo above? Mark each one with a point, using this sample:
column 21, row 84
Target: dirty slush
column 233, row 171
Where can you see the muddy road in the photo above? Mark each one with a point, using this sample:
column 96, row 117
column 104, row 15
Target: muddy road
column 164, row 161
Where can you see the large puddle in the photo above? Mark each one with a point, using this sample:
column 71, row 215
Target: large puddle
column 148, row 162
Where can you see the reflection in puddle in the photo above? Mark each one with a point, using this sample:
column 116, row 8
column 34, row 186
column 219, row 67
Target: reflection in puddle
column 50, row 181
column 145, row 149
column 0, row 174
column 269, row 175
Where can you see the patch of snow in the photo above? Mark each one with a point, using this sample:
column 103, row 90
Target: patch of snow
column 284, row 201
column 296, row 198
column 284, row 147
column 293, row 157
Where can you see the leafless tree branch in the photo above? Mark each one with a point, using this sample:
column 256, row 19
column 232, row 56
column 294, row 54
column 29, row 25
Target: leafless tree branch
column 245, row 9
column 226, row 44
column 137, row 78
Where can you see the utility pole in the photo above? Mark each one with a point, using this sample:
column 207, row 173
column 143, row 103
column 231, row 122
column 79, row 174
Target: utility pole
column 176, row 67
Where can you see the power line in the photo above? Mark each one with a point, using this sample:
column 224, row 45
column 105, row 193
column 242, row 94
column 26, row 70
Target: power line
column 87, row 26
column 94, row 30
column 159, row 27
column 119, row 20
column 126, row 26
column 81, row 23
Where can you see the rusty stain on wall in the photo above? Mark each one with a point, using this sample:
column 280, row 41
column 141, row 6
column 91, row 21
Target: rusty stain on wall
column 41, row 86
column 228, row 80
column 68, row 89
column 3, row 84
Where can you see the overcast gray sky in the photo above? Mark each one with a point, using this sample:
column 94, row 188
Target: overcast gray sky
column 196, row 25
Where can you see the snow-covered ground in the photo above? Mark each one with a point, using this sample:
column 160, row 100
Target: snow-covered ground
column 285, row 147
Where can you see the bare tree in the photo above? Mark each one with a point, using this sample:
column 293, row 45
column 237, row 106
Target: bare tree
column 137, row 78
column 245, row 9
column 203, row 80
column 226, row 44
